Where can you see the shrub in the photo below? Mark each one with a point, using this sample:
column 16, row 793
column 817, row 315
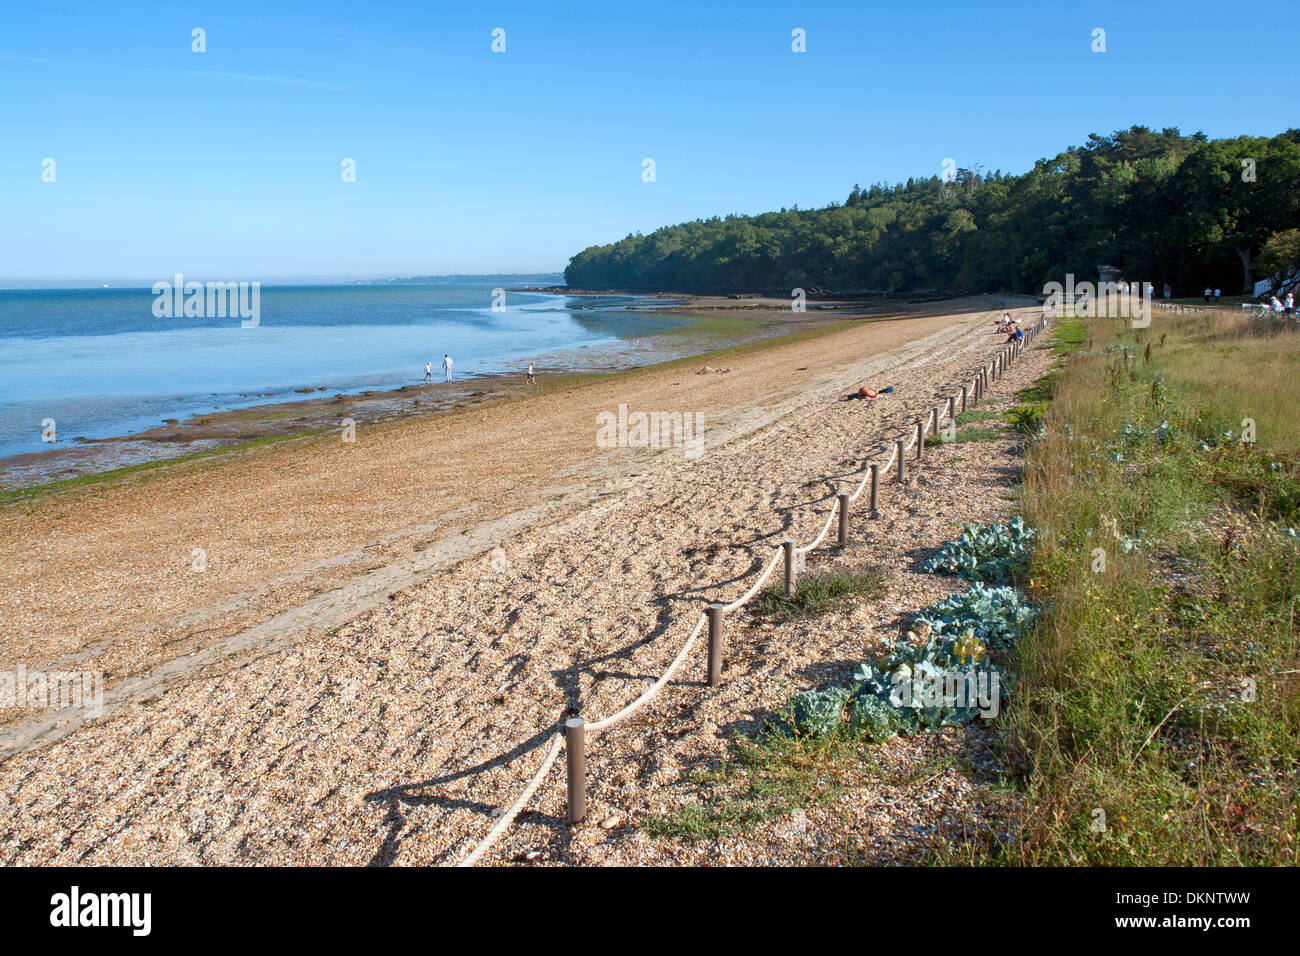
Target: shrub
column 1027, row 419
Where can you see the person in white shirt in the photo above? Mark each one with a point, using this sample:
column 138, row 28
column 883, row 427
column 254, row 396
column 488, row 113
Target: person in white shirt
column 428, row 372
column 447, row 365
column 531, row 379
column 1289, row 304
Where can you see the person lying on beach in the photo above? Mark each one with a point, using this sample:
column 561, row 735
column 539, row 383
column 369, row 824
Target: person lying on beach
column 865, row 392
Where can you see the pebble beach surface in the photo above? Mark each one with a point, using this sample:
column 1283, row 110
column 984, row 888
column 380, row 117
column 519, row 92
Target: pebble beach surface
column 389, row 642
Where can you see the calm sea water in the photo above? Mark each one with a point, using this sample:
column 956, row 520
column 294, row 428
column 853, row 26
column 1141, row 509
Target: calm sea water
column 100, row 364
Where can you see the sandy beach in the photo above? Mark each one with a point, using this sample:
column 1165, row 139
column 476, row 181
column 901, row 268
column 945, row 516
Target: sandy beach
column 357, row 675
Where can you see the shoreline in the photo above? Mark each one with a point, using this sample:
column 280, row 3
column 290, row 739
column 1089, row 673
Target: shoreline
column 718, row 327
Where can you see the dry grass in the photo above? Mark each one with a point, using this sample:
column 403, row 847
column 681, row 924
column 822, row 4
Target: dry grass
column 1156, row 712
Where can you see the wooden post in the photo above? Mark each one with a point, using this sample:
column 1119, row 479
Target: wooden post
column 575, row 733
column 963, row 399
column 788, row 546
column 902, row 459
column 920, row 439
column 715, row 644
column 844, row 518
column 875, row 490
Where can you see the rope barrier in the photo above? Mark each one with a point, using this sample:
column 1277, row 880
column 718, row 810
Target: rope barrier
column 762, row 579
column 893, row 456
column 825, row 528
column 651, row 692
column 508, row 817
column 649, row 695
column 862, row 485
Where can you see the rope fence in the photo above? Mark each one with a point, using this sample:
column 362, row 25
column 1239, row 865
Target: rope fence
column 573, row 736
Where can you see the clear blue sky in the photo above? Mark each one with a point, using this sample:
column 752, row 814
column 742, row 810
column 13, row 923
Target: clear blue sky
column 226, row 164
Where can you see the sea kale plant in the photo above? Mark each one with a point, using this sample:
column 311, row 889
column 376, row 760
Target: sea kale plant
column 994, row 617
column 984, row 552
column 938, row 674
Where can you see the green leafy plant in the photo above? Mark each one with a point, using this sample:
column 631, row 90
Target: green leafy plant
column 938, row 674
column 993, row 616
column 1027, row 419
column 989, row 553
column 816, row 713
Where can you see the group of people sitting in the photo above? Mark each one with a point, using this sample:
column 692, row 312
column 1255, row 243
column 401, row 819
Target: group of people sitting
column 1010, row 327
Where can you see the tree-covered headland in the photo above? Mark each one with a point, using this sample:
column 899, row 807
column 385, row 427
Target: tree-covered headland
column 1158, row 206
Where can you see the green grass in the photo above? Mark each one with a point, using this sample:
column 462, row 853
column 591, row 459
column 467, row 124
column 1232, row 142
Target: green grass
column 975, row 415
column 762, row 779
column 143, row 470
column 1067, row 334
column 1040, row 391
column 966, row 435
column 817, row 593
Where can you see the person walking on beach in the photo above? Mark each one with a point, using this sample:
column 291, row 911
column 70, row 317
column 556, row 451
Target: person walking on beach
column 447, row 365
column 531, row 379
column 428, row 372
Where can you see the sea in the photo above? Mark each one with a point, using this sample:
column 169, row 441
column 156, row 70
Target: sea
column 101, row 362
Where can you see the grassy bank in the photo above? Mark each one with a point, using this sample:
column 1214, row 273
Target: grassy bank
column 1156, row 720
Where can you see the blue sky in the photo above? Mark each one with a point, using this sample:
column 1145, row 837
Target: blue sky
column 226, row 164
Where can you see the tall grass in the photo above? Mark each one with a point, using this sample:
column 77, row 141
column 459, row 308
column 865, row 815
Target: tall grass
column 1157, row 716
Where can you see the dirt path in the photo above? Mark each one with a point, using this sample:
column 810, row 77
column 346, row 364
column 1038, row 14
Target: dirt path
column 352, row 712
